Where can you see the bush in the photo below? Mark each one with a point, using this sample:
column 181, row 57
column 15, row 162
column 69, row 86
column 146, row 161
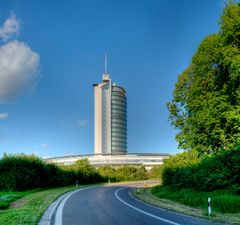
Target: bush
column 130, row 173
column 85, row 173
column 107, row 172
column 125, row 173
column 178, row 170
column 208, row 173
column 156, row 172
column 56, row 176
column 23, row 172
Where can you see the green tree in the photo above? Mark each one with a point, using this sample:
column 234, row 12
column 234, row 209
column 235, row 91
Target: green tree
column 205, row 108
column 107, row 172
column 141, row 173
column 130, row 173
column 156, row 172
column 85, row 173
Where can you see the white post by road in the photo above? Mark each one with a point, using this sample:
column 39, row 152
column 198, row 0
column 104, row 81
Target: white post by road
column 209, row 206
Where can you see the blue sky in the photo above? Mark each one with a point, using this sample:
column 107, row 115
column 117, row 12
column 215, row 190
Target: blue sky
column 52, row 52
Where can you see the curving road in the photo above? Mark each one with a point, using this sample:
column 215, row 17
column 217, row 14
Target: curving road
column 114, row 205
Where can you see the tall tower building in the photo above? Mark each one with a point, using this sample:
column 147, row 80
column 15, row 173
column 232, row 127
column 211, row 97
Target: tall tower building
column 110, row 117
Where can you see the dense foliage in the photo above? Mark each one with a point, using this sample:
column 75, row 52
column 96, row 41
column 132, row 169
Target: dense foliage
column 24, row 172
column 156, row 172
column 212, row 172
column 108, row 173
column 130, row 173
column 206, row 100
column 126, row 173
column 84, row 172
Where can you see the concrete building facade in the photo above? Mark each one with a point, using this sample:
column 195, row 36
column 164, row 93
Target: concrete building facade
column 149, row 160
column 110, row 118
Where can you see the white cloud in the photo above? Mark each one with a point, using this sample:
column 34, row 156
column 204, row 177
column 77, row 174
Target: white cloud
column 44, row 145
column 18, row 64
column 83, row 122
column 18, row 70
column 3, row 116
column 10, row 27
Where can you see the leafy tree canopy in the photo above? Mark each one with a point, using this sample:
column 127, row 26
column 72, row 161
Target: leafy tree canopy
column 206, row 101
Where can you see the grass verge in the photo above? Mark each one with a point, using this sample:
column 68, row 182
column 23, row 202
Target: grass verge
column 223, row 201
column 30, row 207
column 163, row 197
column 7, row 197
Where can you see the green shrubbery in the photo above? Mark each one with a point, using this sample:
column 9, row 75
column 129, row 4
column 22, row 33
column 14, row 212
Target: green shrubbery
column 208, row 173
column 222, row 200
column 108, row 173
column 129, row 173
column 84, row 172
column 126, row 173
column 156, row 172
column 190, row 179
column 24, row 172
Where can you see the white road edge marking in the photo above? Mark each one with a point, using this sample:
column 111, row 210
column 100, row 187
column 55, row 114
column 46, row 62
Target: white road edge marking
column 141, row 211
column 58, row 216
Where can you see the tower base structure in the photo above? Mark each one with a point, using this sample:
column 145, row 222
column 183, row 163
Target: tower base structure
column 149, row 160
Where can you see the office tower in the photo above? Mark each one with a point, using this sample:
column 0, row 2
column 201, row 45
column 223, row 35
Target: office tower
column 110, row 117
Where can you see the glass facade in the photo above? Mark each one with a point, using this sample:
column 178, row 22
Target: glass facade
column 105, row 118
column 110, row 118
column 118, row 120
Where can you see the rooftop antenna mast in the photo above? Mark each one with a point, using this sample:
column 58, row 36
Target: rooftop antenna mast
column 106, row 63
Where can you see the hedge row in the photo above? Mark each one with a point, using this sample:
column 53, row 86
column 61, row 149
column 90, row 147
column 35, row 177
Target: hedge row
column 24, row 172
column 127, row 173
column 208, row 173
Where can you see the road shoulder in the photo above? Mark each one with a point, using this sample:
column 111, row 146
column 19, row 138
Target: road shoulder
column 145, row 195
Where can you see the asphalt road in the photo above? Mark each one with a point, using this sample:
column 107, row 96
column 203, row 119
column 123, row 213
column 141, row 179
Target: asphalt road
column 114, row 205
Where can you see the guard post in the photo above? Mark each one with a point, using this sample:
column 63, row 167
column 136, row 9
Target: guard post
column 209, row 207
column 77, row 184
